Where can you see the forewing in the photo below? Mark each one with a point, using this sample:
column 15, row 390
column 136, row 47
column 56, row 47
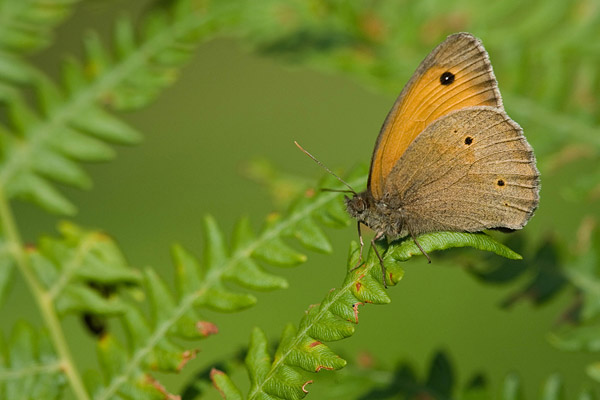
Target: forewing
column 425, row 98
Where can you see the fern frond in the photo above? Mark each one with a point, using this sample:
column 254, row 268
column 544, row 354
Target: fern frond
column 202, row 284
column 438, row 382
column 303, row 349
column 28, row 365
column 71, row 124
column 26, row 25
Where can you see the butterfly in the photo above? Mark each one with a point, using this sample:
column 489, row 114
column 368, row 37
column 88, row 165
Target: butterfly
column 448, row 157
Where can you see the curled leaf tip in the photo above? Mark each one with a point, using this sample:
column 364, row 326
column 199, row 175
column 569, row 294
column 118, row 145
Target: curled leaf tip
column 305, row 384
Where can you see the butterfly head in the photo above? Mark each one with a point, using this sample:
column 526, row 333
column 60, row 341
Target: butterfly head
column 358, row 206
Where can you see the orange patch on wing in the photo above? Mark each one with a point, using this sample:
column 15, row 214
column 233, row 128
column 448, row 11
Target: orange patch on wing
column 424, row 102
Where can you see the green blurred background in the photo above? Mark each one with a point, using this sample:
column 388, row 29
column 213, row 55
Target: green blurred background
column 232, row 105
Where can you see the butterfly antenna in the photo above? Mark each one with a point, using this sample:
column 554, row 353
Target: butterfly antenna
column 325, row 168
column 337, row 190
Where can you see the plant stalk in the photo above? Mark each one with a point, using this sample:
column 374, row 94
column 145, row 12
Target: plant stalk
column 42, row 299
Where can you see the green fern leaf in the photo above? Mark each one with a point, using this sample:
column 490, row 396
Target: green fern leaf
column 248, row 274
column 6, row 270
column 28, row 366
column 215, row 252
column 81, row 299
column 310, row 236
column 26, row 26
column 13, row 69
column 69, row 265
column 511, row 388
column 39, row 191
column 187, row 270
column 225, row 385
column 553, row 388
column 445, row 240
column 258, row 358
column 276, row 252
column 223, row 300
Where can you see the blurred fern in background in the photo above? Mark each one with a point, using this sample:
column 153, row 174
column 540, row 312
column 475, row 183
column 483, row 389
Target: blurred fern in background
column 546, row 57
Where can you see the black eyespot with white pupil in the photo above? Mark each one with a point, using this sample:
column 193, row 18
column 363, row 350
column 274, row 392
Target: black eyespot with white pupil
column 500, row 182
column 447, row 78
column 468, row 140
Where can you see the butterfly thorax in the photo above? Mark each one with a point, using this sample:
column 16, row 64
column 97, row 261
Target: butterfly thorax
column 378, row 215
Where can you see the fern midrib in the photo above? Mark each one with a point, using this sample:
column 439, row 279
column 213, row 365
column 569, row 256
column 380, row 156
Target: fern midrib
column 38, row 369
column 211, row 279
column 304, row 332
column 71, row 267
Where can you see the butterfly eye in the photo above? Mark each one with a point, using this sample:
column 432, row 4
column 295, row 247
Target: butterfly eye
column 360, row 205
column 447, row 78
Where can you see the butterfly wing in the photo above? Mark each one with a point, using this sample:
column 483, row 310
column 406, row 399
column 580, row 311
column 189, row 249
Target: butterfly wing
column 468, row 171
column 455, row 75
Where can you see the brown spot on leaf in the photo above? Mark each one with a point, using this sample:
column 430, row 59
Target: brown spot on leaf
column 206, row 328
column 158, row 386
column 186, row 357
column 320, row 367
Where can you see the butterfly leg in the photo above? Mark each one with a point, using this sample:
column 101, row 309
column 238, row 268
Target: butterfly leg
column 362, row 245
column 375, row 238
column 420, row 248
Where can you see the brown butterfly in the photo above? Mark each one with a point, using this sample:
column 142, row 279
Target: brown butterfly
column 448, row 158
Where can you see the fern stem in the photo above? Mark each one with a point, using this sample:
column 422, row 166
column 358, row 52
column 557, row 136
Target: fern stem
column 42, row 299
